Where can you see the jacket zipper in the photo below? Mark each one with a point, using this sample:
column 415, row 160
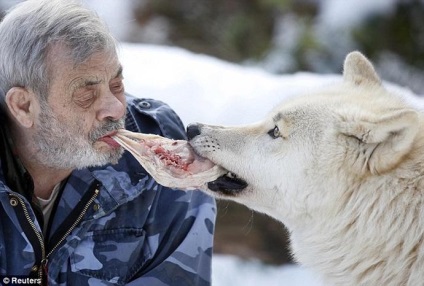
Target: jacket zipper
column 42, row 271
column 37, row 234
column 77, row 221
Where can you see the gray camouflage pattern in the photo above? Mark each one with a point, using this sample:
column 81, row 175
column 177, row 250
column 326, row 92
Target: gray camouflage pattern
column 135, row 233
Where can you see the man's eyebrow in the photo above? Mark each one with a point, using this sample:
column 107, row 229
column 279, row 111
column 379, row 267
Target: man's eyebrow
column 91, row 82
column 83, row 82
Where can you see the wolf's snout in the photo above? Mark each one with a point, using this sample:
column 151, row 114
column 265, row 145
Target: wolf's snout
column 193, row 130
column 228, row 184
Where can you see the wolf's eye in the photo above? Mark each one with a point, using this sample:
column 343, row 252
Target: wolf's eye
column 274, row 133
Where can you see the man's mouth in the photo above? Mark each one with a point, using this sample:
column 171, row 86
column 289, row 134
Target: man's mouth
column 109, row 140
column 229, row 184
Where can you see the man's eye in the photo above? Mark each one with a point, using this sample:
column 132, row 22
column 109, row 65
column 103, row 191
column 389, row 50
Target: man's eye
column 274, row 133
column 85, row 101
column 117, row 87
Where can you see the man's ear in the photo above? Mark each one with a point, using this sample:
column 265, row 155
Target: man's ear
column 383, row 141
column 21, row 104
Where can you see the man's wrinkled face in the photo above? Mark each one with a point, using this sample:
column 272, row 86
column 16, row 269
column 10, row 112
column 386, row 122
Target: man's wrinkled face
column 86, row 103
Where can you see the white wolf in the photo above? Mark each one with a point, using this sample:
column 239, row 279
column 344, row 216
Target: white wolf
column 343, row 169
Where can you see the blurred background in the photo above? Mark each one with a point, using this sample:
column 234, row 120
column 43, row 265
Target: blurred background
column 279, row 36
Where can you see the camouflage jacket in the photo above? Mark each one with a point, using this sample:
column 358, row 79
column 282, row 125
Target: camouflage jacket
column 113, row 225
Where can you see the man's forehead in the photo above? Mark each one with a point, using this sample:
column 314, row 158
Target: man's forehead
column 106, row 61
column 81, row 58
column 99, row 67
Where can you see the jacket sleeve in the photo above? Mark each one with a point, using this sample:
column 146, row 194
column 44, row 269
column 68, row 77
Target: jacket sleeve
column 180, row 226
column 181, row 238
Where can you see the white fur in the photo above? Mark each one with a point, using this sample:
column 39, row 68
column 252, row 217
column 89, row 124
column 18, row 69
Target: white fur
column 345, row 176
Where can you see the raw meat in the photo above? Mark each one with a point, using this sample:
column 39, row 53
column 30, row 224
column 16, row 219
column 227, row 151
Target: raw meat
column 172, row 163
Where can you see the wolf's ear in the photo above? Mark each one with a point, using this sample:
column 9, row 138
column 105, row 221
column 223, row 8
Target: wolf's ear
column 383, row 142
column 358, row 69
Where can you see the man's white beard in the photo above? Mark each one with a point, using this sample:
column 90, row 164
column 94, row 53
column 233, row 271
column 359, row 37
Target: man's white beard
column 63, row 146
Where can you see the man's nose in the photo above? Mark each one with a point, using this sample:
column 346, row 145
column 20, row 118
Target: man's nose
column 112, row 107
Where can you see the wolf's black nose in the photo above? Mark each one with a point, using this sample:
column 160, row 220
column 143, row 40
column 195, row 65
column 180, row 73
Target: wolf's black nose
column 193, row 130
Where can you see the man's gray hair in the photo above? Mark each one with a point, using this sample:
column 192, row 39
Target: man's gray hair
column 30, row 29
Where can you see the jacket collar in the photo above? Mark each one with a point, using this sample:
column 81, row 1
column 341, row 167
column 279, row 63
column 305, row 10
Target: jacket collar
column 117, row 185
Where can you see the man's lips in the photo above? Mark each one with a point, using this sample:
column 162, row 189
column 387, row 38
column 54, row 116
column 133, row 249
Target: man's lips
column 109, row 140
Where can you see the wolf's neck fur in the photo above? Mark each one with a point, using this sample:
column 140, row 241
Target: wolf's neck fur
column 375, row 239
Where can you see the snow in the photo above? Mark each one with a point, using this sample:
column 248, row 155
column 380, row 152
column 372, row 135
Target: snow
column 232, row 271
column 204, row 89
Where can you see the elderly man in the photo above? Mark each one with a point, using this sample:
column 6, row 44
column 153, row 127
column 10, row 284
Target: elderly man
column 74, row 208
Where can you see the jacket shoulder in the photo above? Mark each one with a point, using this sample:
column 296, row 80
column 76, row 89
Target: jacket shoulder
column 153, row 116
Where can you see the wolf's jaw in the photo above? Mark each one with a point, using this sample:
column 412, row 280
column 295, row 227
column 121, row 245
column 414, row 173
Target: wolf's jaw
column 229, row 184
